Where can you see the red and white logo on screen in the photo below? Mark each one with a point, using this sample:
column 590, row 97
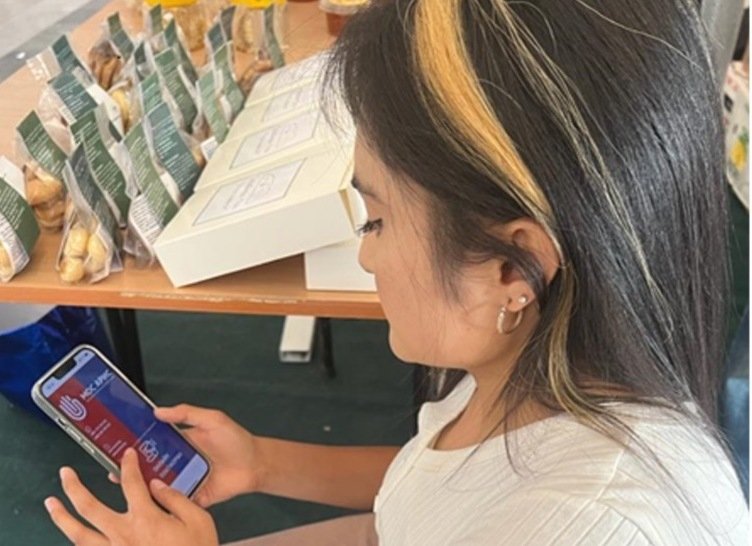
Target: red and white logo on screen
column 73, row 408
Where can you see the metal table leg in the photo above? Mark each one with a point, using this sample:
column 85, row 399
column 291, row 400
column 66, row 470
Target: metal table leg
column 325, row 338
column 124, row 332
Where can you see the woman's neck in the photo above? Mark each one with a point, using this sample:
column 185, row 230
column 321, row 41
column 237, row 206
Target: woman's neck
column 482, row 417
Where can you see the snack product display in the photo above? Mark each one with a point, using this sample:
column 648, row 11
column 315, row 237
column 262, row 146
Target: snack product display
column 243, row 29
column 192, row 21
column 90, row 247
column 46, row 195
column 6, row 267
column 84, row 254
column 72, row 270
column 105, row 63
column 121, row 96
column 19, row 229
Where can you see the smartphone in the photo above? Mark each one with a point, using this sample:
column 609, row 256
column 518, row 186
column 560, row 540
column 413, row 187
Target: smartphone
column 97, row 406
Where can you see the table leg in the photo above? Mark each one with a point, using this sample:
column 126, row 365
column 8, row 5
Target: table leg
column 124, row 331
column 325, row 338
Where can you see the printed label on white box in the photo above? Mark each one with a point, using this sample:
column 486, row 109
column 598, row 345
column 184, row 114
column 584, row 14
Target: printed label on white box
column 258, row 189
column 306, row 69
column 275, row 139
column 292, row 100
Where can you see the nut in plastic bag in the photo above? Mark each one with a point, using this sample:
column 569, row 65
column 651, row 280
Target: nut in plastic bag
column 43, row 160
column 90, row 248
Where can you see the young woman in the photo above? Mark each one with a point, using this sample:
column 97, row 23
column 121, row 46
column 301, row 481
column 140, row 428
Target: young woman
column 544, row 183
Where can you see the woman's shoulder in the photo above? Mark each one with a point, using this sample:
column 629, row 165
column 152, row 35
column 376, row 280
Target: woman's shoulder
column 672, row 479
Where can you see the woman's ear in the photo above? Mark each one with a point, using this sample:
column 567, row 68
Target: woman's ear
column 531, row 237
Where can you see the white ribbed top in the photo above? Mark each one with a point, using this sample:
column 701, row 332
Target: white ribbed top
column 571, row 486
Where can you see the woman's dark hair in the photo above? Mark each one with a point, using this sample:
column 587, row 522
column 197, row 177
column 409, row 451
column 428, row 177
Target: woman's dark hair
column 602, row 123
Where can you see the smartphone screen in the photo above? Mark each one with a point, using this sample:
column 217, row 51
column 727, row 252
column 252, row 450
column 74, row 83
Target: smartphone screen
column 102, row 407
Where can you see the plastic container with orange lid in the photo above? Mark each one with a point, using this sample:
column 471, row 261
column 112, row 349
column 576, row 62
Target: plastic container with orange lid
column 338, row 12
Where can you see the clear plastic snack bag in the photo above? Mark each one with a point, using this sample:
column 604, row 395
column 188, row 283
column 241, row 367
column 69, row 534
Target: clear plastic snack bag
column 232, row 96
column 189, row 15
column 179, row 87
column 176, row 151
column 210, row 109
column 18, row 228
column 108, row 161
column 43, row 158
column 90, row 248
column 59, row 57
column 69, row 95
column 157, row 201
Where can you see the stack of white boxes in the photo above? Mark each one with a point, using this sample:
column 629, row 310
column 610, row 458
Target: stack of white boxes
column 278, row 186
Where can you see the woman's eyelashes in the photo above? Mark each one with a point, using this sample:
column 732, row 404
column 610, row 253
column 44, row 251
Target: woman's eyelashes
column 369, row 226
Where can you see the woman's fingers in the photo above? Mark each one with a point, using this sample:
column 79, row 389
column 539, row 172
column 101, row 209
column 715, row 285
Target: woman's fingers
column 186, row 414
column 73, row 529
column 86, row 504
column 113, row 478
column 132, row 481
column 175, row 502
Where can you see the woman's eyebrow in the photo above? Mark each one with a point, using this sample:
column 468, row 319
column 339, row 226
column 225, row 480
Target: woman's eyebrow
column 358, row 185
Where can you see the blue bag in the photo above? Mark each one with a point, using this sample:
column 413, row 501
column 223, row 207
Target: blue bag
column 27, row 352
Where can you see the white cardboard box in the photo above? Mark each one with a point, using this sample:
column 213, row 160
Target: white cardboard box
column 306, row 72
column 289, row 104
column 258, row 217
column 306, row 134
column 336, row 267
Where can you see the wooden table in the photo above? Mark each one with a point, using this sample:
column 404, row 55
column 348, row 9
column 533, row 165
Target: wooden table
column 274, row 289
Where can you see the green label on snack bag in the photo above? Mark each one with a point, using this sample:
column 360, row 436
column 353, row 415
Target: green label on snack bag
column 151, row 93
column 173, row 153
column 88, row 130
column 114, row 23
column 85, row 127
column 230, row 87
column 171, row 37
column 94, row 123
column 155, row 19
column 226, row 16
column 147, row 178
column 109, row 177
column 142, row 64
column 40, row 145
column 119, row 38
column 216, row 36
column 211, row 107
column 91, row 193
column 19, row 215
column 73, row 94
column 270, row 38
column 167, row 64
column 66, row 57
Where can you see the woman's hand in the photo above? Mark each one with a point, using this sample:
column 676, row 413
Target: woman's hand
column 230, row 448
column 144, row 524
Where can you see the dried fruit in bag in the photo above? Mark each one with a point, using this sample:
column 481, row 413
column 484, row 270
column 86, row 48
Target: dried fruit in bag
column 105, row 63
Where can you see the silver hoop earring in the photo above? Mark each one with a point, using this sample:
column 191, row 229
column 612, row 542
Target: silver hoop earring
column 502, row 316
